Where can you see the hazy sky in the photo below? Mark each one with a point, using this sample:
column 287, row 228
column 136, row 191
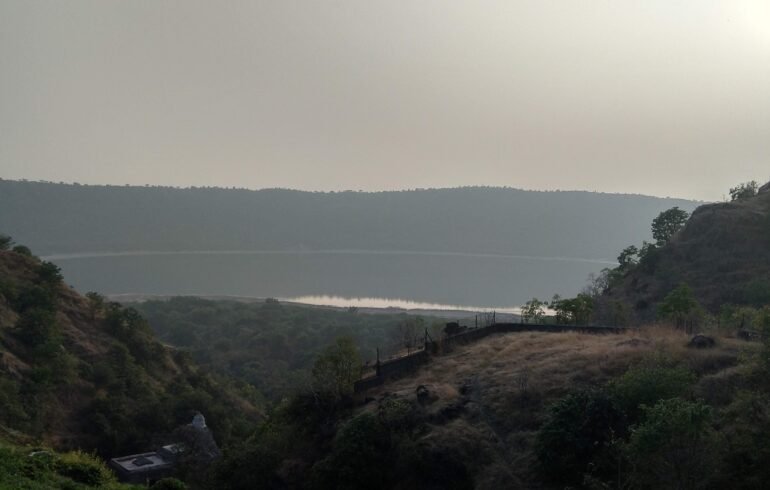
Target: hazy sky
column 665, row 97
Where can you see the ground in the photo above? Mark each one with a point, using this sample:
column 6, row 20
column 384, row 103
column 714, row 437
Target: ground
column 486, row 400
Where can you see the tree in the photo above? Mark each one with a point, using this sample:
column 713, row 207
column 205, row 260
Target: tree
column 533, row 311
column 628, row 257
column 578, row 434
column 745, row 190
column 409, row 332
column 49, row 273
column 22, row 250
column 5, row 242
column 337, row 368
column 575, row 310
column 674, row 446
column 679, row 305
column 667, row 223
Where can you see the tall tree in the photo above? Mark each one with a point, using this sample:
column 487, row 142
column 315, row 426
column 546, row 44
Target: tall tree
column 667, row 223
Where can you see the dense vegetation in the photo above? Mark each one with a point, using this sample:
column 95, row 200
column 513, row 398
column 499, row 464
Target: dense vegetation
column 84, row 373
column 272, row 345
column 711, row 264
column 60, row 218
column 596, row 412
column 39, row 469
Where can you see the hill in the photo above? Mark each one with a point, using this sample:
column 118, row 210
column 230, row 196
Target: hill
column 82, row 373
column 61, row 218
column 272, row 345
column 534, row 410
column 722, row 253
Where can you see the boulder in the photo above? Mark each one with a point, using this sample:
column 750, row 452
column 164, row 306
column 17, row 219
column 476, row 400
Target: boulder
column 700, row 341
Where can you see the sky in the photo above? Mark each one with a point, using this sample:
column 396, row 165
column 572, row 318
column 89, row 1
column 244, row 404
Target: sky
column 667, row 98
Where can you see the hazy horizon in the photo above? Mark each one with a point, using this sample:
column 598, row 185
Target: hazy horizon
column 654, row 98
column 373, row 191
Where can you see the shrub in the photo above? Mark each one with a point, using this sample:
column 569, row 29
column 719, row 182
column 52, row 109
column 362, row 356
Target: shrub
column 580, row 432
column 22, row 250
column 49, row 273
column 84, row 468
column 675, row 446
column 360, row 456
column 649, row 382
column 169, row 484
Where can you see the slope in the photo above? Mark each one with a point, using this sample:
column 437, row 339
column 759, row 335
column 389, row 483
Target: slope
column 82, row 373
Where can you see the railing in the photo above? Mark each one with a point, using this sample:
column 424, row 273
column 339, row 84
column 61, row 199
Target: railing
column 398, row 365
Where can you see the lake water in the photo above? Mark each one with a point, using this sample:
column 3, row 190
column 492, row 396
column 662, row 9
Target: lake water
column 381, row 279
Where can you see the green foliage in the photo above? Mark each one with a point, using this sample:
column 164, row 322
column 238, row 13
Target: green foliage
column 743, row 191
column 22, row 250
column 628, row 257
column 680, row 305
column 35, row 469
column 647, row 383
column 674, row 446
column 575, row 310
column 578, row 437
column 49, row 274
column 757, row 292
column 84, row 468
column 273, row 346
column 337, row 368
column 5, row 242
column 359, row 457
column 36, row 327
column 745, row 424
column 533, row 311
column 169, row 484
column 667, row 223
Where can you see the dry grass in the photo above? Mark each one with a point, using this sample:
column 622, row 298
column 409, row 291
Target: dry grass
column 505, row 382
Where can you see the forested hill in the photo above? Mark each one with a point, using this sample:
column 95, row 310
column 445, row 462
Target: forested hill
column 722, row 253
column 64, row 218
column 79, row 372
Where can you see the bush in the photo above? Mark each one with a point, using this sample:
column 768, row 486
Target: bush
column 675, row 446
column 169, row 484
column 581, row 432
column 84, row 468
column 49, row 273
column 649, row 382
column 360, row 456
column 22, row 250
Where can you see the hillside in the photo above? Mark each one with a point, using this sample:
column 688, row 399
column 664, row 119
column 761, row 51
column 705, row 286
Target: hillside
column 271, row 345
column 61, row 218
column 81, row 373
column 722, row 253
column 534, row 410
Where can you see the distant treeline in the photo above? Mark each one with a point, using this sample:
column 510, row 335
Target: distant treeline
column 71, row 218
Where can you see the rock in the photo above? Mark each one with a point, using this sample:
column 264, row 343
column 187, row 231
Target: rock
column 748, row 335
column 700, row 341
column 422, row 393
column 424, row 396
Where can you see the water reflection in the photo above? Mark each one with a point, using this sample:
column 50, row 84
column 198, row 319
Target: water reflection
column 345, row 279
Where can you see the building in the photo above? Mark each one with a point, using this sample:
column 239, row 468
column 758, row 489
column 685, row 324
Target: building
column 143, row 468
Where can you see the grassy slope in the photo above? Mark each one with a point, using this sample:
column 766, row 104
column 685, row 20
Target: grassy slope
column 492, row 395
column 46, row 470
column 102, row 385
column 723, row 253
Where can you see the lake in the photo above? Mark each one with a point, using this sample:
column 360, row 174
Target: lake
column 340, row 278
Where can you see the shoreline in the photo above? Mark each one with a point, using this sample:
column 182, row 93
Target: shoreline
column 438, row 312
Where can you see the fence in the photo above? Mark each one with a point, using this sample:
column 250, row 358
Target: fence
column 410, row 362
